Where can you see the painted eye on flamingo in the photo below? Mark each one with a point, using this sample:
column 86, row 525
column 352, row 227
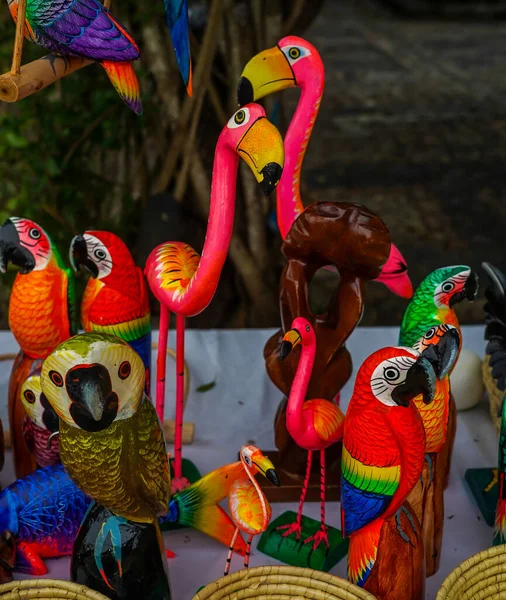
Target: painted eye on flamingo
column 184, row 282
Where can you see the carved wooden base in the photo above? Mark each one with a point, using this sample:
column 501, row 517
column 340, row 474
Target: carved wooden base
column 427, row 500
column 291, row 485
column 447, row 452
column 399, row 572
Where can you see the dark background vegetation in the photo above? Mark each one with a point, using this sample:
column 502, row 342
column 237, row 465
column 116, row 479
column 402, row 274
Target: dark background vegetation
column 413, row 125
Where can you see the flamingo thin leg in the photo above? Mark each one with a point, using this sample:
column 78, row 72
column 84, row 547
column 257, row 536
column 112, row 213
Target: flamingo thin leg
column 161, row 360
column 322, row 535
column 231, row 551
column 178, row 438
column 248, row 551
column 297, row 526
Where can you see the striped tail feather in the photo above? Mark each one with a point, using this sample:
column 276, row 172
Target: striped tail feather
column 363, row 552
column 125, row 82
column 500, row 515
column 197, row 506
column 176, row 12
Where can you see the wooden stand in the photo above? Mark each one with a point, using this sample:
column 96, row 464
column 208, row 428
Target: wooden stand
column 447, row 451
column 291, row 484
column 399, row 572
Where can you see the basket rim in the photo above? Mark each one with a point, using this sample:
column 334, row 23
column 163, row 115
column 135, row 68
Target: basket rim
column 80, row 591
column 271, row 575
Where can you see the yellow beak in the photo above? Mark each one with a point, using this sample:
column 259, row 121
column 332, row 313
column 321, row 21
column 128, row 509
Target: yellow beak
column 265, row 466
column 266, row 73
column 262, row 149
column 291, row 339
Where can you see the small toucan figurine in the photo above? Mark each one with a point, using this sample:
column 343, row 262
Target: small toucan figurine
column 41, row 422
column 85, row 28
column 41, row 313
column 112, row 445
column 176, row 12
column 116, row 299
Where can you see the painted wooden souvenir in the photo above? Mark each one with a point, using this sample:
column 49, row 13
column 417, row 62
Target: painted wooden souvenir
column 427, row 497
column 249, row 508
column 44, row 510
column 434, row 304
column 116, row 299
column 500, row 513
column 41, row 422
column 294, row 62
column 176, row 12
column 7, row 556
column 383, row 456
column 41, row 313
column 364, row 244
column 315, row 425
column 183, row 282
column 80, row 31
column 113, row 447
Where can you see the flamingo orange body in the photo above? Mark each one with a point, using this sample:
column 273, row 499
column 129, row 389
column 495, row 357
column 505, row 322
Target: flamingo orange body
column 184, row 282
column 249, row 509
column 314, row 424
column 294, row 62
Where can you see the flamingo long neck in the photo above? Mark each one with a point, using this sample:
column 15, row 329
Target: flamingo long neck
column 219, row 226
column 294, row 418
column 289, row 203
column 258, row 489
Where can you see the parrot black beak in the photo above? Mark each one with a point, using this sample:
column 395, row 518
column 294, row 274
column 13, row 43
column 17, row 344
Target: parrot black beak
column 420, row 379
column 469, row 292
column 443, row 355
column 271, row 176
column 49, row 416
column 94, row 405
column 284, row 351
column 272, row 476
column 79, row 256
column 11, row 250
column 245, row 93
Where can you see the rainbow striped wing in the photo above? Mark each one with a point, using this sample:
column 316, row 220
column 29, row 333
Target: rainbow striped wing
column 366, row 491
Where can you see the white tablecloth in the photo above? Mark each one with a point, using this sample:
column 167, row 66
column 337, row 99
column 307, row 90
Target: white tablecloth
column 241, row 407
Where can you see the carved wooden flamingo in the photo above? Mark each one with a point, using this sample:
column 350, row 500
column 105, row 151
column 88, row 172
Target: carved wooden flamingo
column 185, row 283
column 249, row 508
column 314, row 425
column 294, row 62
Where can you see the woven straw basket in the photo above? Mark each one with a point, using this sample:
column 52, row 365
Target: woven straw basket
column 47, row 589
column 282, row 583
column 481, row 577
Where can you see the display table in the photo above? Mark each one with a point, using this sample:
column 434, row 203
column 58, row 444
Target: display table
column 240, row 408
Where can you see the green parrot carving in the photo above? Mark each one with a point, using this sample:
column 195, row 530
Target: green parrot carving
column 113, row 447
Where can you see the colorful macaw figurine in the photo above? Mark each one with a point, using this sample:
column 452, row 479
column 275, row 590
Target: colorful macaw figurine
column 176, row 12
column 87, row 29
column 294, row 62
column 41, row 313
column 41, row 422
column 500, row 513
column 249, row 508
column 113, row 447
column 383, row 448
column 116, row 299
column 44, row 511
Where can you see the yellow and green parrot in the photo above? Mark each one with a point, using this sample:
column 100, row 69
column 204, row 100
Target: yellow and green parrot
column 113, row 447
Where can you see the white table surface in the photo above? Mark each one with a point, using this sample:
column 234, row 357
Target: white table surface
column 241, row 408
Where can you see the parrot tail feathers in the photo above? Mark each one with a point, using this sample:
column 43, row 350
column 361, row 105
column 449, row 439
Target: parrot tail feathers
column 500, row 523
column 125, row 82
column 363, row 552
column 197, row 507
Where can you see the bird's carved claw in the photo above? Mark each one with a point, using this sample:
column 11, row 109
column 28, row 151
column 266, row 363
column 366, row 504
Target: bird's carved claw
column 178, row 485
column 319, row 537
column 292, row 528
column 403, row 535
column 112, row 527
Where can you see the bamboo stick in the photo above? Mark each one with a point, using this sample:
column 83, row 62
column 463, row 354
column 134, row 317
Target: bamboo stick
column 19, row 39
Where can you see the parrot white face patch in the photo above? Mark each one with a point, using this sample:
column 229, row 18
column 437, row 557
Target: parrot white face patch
column 93, row 380
column 388, row 375
column 99, row 254
column 448, row 288
column 30, row 398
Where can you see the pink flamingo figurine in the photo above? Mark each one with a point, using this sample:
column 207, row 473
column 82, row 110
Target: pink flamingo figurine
column 294, row 62
column 249, row 509
column 314, row 424
column 185, row 283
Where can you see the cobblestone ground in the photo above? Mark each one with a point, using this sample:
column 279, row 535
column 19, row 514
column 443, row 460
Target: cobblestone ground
column 413, row 125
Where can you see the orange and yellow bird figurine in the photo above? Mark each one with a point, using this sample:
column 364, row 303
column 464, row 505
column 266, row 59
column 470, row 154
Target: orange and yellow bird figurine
column 249, row 509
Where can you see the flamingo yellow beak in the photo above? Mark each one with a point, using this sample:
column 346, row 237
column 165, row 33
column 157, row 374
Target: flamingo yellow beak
column 266, row 73
column 262, row 149
column 291, row 339
column 265, row 466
